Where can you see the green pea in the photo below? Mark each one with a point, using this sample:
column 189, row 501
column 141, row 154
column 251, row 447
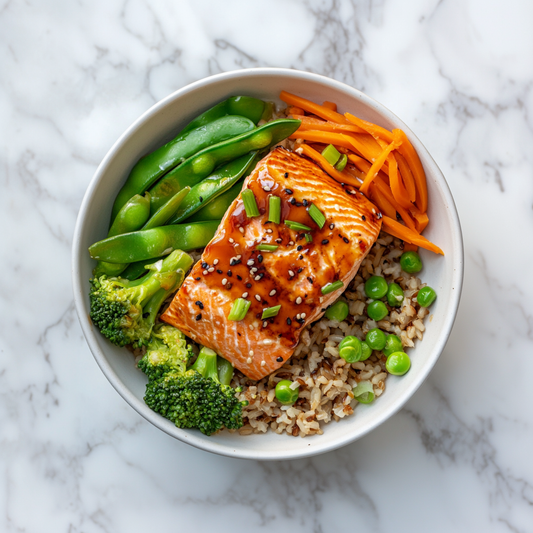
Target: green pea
column 350, row 349
column 392, row 344
column 426, row 296
column 395, row 295
column 366, row 351
column 338, row 311
column 411, row 262
column 285, row 394
column 376, row 339
column 377, row 310
column 375, row 287
column 398, row 363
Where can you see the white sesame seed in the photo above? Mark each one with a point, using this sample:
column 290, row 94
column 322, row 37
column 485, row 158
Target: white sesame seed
column 272, row 292
column 263, row 363
column 244, row 295
column 278, row 241
column 241, row 230
column 257, row 278
column 303, row 315
column 257, row 297
column 269, row 230
column 298, row 316
column 224, row 281
column 265, row 324
column 215, row 262
column 253, row 270
column 249, row 360
column 251, row 352
column 231, row 240
column 251, row 326
column 238, row 256
column 291, row 243
column 250, row 262
column 266, row 189
column 331, row 226
column 298, row 300
column 291, row 273
column 268, row 341
column 212, row 269
column 204, row 272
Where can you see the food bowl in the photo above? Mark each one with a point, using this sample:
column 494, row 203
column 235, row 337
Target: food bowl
column 161, row 123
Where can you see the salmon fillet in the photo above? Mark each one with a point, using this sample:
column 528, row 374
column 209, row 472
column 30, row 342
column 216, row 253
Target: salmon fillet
column 292, row 276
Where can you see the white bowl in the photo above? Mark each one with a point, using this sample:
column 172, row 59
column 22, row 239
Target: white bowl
column 158, row 125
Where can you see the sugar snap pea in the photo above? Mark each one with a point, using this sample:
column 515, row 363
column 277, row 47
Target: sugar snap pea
column 137, row 269
column 200, row 165
column 154, row 165
column 150, row 243
column 217, row 183
column 216, row 209
column 164, row 213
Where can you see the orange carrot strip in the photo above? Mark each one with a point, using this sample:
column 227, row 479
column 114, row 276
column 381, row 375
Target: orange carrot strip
column 396, row 185
column 313, row 108
column 376, row 166
column 400, row 231
column 381, row 201
column 408, row 247
column 293, row 110
column 407, row 176
column 374, row 130
column 311, row 123
column 330, row 105
column 421, row 219
column 341, row 177
column 404, row 213
column 363, row 165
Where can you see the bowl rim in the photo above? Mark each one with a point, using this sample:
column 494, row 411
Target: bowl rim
column 187, row 436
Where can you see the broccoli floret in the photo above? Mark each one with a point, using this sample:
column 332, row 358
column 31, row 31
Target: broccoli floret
column 125, row 311
column 193, row 397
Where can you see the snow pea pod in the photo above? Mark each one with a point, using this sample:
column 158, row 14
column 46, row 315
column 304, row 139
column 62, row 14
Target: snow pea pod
column 154, row 165
column 150, row 243
column 245, row 106
column 200, row 165
column 217, row 183
column 216, row 209
column 163, row 215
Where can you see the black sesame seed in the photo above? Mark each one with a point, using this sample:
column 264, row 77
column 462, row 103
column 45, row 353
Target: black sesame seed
column 279, row 359
column 331, row 226
column 305, row 202
column 379, row 215
column 299, row 247
column 300, row 320
column 345, row 240
column 248, row 285
column 198, row 317
column 325, row 241
column 239, row 277
column 300, row 270
column 289, row 321
column 204, row 264
column 288, row 191
column 292, row 201
column 199, row 304
column 219, row 271
column 363, row 217
column 201, row 199
column 234, row 262
column 310, row 280
column 260, row 258
column 197, row 279
column 261, row 276
column 301, row 257
column 229, row 285
column 229, row 273
column 286, row 174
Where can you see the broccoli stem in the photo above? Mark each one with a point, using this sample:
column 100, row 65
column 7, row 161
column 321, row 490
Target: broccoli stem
column 206, row 364
column 225, row 370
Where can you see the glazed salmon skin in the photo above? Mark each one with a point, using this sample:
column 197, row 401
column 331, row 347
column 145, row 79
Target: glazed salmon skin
column 293, row 276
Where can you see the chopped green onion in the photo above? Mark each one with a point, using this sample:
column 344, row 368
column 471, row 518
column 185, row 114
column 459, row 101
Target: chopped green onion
column 270, row 312
column 330, row 287
column 331, row 154
column 364, row 392
column 341, row 163
column 250, row 205
column 296, row 225
column 308, row 237
column 317, row 215
column 274, row 209
column 267, row 247
column 239, row 309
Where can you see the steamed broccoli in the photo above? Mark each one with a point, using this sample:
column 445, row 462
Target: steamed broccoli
column 191, row 397
column 125, row 311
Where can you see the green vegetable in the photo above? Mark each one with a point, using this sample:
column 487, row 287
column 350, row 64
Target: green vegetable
column 426, row 296
column 163, row 215
column 377, row 310
column 193, row 397
column 239, row 309
column 341, row 163
column 376, row 287
column 200, row 165
column 153, row 166
column 296, row 225
column 331, row 154
column 350, row 349
column 213, row 186
column 366, row 351
column 330, row 287
column 338, row 311
column 270, row 312
column 411, row 262
column 395, row 295
column 150, row 243
column 376, row 339
column 285, row 394
column 124, row 311
column 364, row 392
column 216, row 209
column 308, row 238
column 225, row 370
column 398, row 363
column 317, row 215
column 274, row 209
column 392, row 344
column 137, row 269
column 250, row 203
column 266, row 247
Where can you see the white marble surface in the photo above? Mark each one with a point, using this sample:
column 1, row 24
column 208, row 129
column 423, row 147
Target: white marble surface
column 75, row 457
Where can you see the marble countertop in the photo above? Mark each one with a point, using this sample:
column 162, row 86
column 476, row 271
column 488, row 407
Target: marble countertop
column 75, row 457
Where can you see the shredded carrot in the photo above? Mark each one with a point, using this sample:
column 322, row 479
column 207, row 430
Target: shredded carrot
column 293, row 110
column 408, row 247
column 330, row 105
column 402, row 232
column 381, row 201
column 313, row 108
column 376, row 166
column 312, row 123
column 373, row 129
column 421, row 219
column 407, row 176
column 396, row 185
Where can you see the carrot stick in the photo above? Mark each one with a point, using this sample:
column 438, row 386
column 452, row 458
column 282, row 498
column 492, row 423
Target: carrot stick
column 421, row 219
column 381, row 201
column 376, row 166
column 313, row 108
column 396, row 184
column 407, row 176
column 341, row 177
column 376, row 131
column 296, row 111
column 400, row 231
column 311, row 123
column 408, row 247
column 385, row 190
column 330, row 105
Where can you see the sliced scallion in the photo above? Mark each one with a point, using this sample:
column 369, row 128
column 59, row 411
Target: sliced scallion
column 267, row 247
column 341, row 163
column 274, row 209
column 330, row 287
column 364, row 392
column 239, row 309
column 296, row 225
column 250, row 205
column 317, row 215
column 331, row 154
column 270, row 312
column 308, row 237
